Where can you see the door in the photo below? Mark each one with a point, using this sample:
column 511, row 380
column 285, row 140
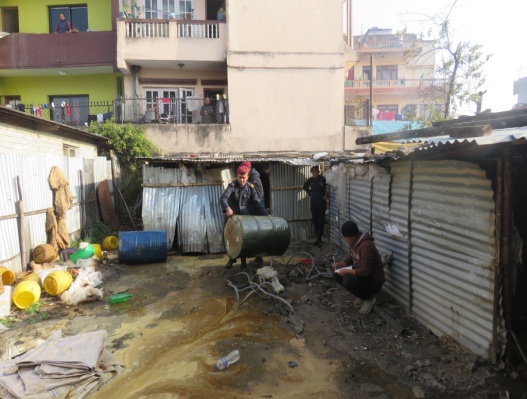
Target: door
column 10, row 19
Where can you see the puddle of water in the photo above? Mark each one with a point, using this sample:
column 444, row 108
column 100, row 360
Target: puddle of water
column 167, row 357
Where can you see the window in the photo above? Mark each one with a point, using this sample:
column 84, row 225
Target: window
column 163, row 9
column 366, row 72
column 70, row 151
column 77, row 15
column 392, row 108
column 386, row 72
column 174, row 105
column 10, row 19
column 72, row 110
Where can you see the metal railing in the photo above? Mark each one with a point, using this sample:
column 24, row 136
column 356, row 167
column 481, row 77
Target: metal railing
column 357, row 113
column 143, row 28
column 394, row 83
column 174, row 109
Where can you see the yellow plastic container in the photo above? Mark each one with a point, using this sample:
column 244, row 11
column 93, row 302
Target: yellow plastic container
column 7, row 275
column 110, row 242
column 25, row 294
column 57, row 282
column 98, row 250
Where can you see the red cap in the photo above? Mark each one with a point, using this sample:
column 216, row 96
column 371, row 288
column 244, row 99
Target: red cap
column 243, row 169
column 246, row 163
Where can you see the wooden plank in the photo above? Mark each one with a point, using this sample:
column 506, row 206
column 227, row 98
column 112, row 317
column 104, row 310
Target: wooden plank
column 105, row 203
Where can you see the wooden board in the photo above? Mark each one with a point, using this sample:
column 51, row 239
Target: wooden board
column 109, row 216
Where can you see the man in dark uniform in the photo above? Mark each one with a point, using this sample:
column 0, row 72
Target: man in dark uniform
column 241, row 198
column 254, row 178
column 315, row 187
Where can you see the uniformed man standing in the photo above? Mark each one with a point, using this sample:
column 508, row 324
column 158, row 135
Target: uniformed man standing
column 241, row 198
column 315, row 187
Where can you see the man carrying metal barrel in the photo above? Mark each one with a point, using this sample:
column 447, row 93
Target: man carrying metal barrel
column 241, row 198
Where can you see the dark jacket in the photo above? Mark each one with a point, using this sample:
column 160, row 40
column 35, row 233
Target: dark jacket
column 316, row 189
column 254, row 178
column 366, row 259
column 242, row 200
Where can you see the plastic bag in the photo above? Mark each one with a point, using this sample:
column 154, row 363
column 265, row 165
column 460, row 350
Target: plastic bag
column 83, row 287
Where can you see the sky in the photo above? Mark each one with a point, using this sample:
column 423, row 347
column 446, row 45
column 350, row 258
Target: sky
column 499, row 26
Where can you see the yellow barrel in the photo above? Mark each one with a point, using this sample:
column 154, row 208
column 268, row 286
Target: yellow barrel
column 110, row 242
column 44, row 253
column 57, row 282
column 7, row 275
column 98, row 250
column 25, row 294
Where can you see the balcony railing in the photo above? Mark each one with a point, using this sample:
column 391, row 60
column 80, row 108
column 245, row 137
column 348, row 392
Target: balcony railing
column 396, row 83
column 184, row 110
column 141, row 28
column 357, row 113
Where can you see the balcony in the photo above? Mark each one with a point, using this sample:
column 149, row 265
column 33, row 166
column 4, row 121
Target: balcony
column 391, row 86
column 162, row 42
column 57, row 50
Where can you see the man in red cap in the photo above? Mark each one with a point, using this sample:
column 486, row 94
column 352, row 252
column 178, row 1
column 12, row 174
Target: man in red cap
column 254, row 178
column 240, row 198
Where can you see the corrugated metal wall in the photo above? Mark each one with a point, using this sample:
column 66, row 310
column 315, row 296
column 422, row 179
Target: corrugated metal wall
column 449, row 281
column 33, row 173
column 193, row 211
column 452, row 260
column 397, row 274
column 290, row 201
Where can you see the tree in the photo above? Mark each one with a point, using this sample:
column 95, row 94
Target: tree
column 461, row 66
column 130, row 143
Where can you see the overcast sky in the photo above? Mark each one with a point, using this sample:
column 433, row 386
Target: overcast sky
column 497, row 25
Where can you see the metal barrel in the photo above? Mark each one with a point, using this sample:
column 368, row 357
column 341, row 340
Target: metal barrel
column 247, row 236
column 148, row 246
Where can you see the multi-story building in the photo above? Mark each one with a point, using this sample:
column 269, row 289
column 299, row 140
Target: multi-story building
column 273, row 75
column 399, row 67
column 57, row 74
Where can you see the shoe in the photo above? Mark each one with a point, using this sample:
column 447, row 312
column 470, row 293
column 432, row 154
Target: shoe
column 230, row 263
column 319, row 243
column 357, row 303
column 257, row 262
column 367, row 305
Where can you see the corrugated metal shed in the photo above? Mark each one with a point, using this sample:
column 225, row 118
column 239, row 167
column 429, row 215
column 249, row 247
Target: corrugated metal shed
column 286, row 191
column 453, row 251
column 448, row 282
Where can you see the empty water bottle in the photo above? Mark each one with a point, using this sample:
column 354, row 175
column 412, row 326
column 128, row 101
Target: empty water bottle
column 226, row 361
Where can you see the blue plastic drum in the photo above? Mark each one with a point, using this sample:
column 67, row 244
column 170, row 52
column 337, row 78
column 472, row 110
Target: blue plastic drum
column 140, row 247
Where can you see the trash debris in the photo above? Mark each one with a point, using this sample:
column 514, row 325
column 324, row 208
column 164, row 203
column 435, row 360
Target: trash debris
column 83, row 287
column 292, row 364
column 226, row 361
column 121, row 297
column 60, row 367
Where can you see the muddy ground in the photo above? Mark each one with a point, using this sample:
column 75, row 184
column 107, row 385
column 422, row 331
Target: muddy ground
column 183, row 315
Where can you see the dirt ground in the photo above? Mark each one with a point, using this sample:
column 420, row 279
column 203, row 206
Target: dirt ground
column 183, row 315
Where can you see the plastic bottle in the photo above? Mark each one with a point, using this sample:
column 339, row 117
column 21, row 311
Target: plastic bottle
column 226, row 361
column 121, row 297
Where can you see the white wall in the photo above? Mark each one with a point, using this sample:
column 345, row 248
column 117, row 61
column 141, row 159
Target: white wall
column 18, row 140
column 285, row 69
